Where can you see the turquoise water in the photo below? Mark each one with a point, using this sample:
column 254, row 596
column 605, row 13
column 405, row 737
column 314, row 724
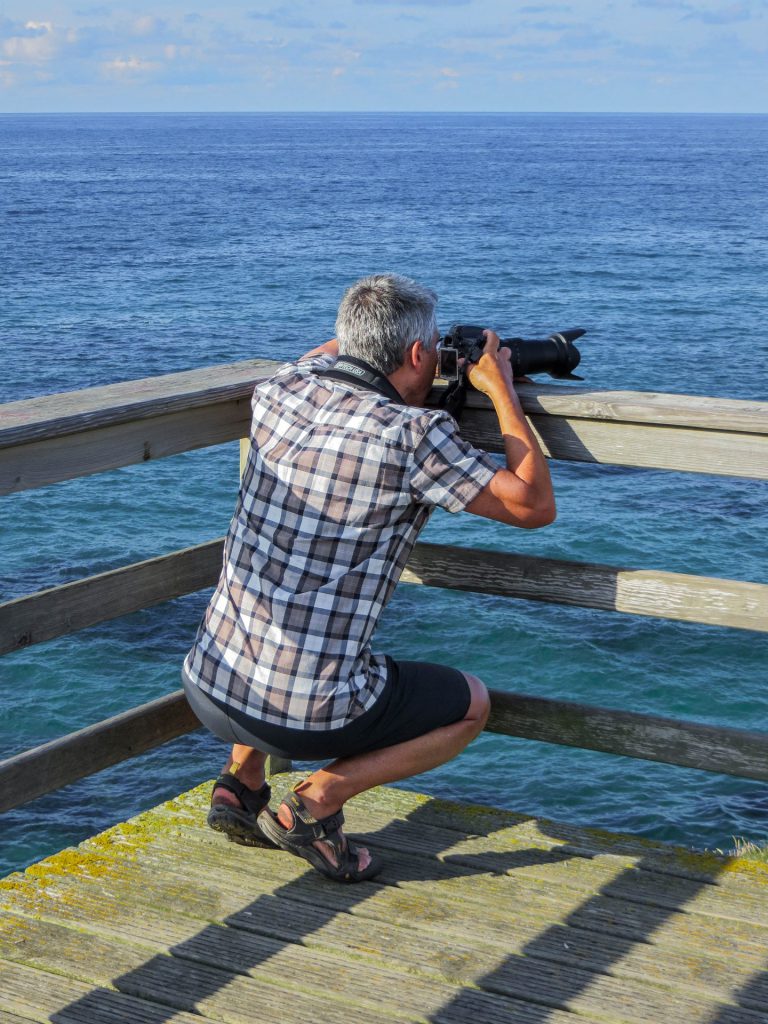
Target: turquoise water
column 137, row 245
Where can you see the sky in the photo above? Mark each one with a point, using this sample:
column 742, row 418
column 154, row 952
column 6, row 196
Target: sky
column 400, row 55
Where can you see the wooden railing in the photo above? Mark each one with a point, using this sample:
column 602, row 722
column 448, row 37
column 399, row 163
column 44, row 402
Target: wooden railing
column 46, row 440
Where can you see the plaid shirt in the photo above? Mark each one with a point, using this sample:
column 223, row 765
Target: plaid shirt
column 338, row 484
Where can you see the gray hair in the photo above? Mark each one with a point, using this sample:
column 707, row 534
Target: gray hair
column 381, row 316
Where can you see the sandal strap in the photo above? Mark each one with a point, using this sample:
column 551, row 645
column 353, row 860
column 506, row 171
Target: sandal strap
column 253, row 800
column 347, row 859
column 306, row 828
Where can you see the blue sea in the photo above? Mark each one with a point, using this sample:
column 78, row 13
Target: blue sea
column 135, row 245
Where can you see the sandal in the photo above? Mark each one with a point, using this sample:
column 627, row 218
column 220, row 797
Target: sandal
column 239, row 824
column 306, row 830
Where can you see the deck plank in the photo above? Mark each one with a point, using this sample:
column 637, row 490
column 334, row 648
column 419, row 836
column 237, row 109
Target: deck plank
column 479, row 915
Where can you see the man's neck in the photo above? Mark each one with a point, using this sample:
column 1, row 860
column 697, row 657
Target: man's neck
column 409, row 385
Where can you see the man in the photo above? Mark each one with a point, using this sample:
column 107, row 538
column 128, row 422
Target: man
column 345, row 467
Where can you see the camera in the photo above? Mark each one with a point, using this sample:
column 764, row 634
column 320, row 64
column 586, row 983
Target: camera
column 555, row 355
column 448, row 362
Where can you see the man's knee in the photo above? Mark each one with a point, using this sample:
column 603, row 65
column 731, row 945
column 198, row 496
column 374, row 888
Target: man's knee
column 480, row 702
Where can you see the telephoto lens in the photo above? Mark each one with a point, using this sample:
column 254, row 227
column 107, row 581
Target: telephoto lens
column 555, row 355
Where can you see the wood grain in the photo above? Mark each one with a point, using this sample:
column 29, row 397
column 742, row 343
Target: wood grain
column 57, row 437
column 47, row 614
column 479, row 914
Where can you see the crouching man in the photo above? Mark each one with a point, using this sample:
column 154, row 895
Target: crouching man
column 345, row 467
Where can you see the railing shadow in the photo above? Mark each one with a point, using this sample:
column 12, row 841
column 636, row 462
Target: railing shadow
column 753, row 994
column 611, row 941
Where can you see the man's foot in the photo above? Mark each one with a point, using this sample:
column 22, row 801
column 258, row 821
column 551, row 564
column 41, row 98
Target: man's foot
column 285, row 816
column 318, row 840
column 235, row 809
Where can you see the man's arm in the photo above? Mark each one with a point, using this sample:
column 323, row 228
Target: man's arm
column 330, row 348
column 521, row 494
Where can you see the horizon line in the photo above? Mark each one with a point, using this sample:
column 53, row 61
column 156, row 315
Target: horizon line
column 416, row 113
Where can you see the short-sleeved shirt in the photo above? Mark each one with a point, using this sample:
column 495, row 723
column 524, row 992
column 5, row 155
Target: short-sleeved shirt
column 338, row 483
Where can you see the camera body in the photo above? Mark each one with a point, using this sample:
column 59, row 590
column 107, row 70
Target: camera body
column 555, row 355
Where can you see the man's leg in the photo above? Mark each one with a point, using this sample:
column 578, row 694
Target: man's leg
column 327, row 790
column 249, row 769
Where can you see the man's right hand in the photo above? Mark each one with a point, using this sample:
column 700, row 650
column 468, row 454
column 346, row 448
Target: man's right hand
column 521, row 494
column 492, row 373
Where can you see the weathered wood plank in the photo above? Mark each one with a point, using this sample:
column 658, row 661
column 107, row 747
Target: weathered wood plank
column 71, row 412
column 581, row 401
column 35, row 618
column 111, row 910
column 648, row 592
column 622, row 902
column 206, row 968
column 739, row 752
column 179, row 921
column 139, row 862
column 51, row 613
column 102, row 448
column 53, row 997
column 534, row 883
column 40, row 463
column 208, row 883
column 635, row 445
column 57, row 437
column 608, row 875
column 219, row 965
column 471, row 907
column 465, row 969
column 519, row 831
column 49, row 767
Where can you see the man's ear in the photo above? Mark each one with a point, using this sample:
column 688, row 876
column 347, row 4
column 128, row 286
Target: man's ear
column 416, row 353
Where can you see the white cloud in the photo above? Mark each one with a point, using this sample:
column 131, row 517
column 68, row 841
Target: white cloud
column 127, row 68
column 454, row 47
column 35, row 47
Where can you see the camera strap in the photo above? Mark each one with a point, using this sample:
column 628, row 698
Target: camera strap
column 454, row 397
column 350, row 370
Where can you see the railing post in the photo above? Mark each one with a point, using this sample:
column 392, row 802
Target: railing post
column 275, row 765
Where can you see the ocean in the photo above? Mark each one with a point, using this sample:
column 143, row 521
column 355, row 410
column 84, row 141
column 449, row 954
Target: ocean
column 135, row 245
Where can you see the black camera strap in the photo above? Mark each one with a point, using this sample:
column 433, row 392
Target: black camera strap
column 454, row 397
column 350, row 370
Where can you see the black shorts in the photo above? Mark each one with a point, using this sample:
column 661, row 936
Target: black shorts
column 418, row 697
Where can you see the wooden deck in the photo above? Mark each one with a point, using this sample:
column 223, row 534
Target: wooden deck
column 480, row 916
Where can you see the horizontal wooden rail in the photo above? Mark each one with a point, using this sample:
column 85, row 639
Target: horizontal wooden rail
column 56, row 764
column 50, row 613
column 35, row 618
column 651, row 592
column 578, row 425
column 57, row 437
column 737, row 752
